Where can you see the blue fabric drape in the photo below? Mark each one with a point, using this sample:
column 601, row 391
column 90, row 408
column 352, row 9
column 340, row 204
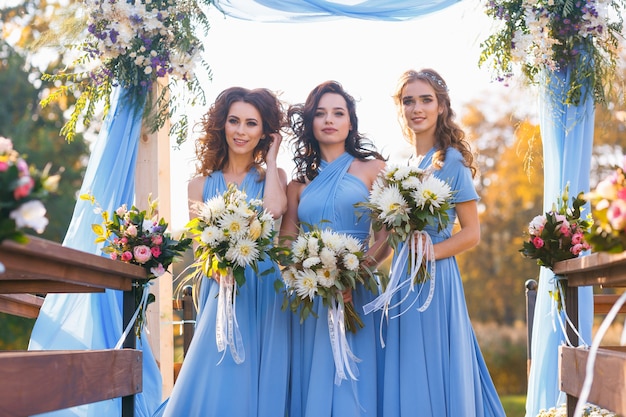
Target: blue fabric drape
column 94, row 321
column 312, row 10
column 567, row 134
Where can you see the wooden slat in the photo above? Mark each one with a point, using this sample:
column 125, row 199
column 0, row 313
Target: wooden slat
column 22, row 305
column 609, row 378
column 602, row 303
column 39, row 381
column 65, row 269
column 599, row 268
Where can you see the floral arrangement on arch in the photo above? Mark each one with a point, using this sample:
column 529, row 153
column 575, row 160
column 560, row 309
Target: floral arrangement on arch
column 321, row 265
column 559, row 234
column 231, row 233
column 608, row 208
column 553, row 35
column 131, row 43
column 23, row 189
column 138, row 237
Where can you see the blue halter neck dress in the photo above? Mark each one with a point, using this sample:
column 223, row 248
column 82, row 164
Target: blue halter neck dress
column 433, row 364
column 331, row 197
column 211, row 383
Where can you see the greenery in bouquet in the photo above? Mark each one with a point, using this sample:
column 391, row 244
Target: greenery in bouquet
column 405, row 199
column 559, row 234
column 23, row 189
column 130, row 43
column 138, row 237
column 231, row 233
column 324, row 263
column 608, row 208
column 554, row 35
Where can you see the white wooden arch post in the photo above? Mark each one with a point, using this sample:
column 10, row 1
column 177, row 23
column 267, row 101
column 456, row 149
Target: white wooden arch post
column 153, row 177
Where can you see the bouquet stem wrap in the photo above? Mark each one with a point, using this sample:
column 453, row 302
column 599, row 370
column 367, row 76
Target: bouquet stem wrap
column 141, row 309
column 226, row 327
column 345, row 360
column 419, row 249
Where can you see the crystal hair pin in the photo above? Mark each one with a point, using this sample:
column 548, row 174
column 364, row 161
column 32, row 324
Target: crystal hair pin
column 433, row 78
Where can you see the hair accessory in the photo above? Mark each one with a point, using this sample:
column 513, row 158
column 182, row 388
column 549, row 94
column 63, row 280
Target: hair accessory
column 433, row 78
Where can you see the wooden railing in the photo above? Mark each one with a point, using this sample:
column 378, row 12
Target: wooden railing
column 609, row 374
column 33, row 382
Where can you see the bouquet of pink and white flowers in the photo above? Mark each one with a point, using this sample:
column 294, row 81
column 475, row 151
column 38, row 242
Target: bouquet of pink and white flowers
column 608, row 208
column 22, row 191
column 559, row 234
column 138, row 237
column 324, row 264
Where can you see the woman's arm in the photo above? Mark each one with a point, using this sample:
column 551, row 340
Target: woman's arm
column 290, row 224
column 275, row 198
column 467, row 237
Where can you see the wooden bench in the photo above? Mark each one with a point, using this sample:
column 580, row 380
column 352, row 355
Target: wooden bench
column 33, row 382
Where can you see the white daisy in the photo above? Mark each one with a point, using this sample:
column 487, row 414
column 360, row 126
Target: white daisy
column 313, row 246
column 243, row 253
column 212, row 235
column 328, row 258
column 353, row 244
column 306, row 283
column 233, row 224
column 289, row 277
column 351, row 261
column 311, row 261
column 326, row 277
column 432, row 192
column 392, row 204
column 332, row 240
column 299, row 248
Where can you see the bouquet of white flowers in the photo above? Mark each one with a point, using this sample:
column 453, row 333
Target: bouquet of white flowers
column 324, row 264
column 403, row 201
column 232, row 233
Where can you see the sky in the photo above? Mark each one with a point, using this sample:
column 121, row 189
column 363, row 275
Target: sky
column 366, row 57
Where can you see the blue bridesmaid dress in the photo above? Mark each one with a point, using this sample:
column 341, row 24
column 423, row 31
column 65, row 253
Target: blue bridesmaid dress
column 331, row 196
column 211, row 383
column 433, row 364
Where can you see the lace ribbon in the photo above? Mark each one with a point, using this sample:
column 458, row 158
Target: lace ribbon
column 226, row 327
column 418, row 248
column 143, row 305
column 345, row 360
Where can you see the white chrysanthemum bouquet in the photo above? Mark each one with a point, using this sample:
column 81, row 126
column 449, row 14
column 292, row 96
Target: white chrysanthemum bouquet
column 231, row 233
column 404, row 200
column 324, row 264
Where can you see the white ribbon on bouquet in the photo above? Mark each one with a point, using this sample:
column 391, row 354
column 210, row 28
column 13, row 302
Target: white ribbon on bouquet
column 141, row 308
column 226, row 327
column 418, row 249
column 345, row 360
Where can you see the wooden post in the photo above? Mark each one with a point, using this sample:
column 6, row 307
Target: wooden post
column 153, row 177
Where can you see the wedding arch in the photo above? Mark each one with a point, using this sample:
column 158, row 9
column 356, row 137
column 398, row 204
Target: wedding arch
column 131, row 156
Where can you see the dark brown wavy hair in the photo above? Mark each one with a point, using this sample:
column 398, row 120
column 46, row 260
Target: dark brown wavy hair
column 211, row 146
column 447, row 132
column 307, row 154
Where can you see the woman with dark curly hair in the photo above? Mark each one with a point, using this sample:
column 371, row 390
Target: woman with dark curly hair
column 240, row 143
column 433, row 364
column 335, row 169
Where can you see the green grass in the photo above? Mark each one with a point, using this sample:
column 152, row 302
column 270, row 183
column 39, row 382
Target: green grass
column 514, row 405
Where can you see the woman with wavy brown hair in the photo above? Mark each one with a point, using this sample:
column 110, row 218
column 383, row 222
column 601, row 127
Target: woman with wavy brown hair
column 239, row 144
column 433, row 364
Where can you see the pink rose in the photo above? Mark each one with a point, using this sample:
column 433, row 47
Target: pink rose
column 24, row 187
column 156, row 251
column 114, row 255
column 124, row 240
column 577, row 238
column 127, row 256
column 576, row 249
column 4, row 166
column 142, row 254
column 157, row 240
column 131, row 230
column 565, row 230
column 158, row 270
column 616, row 215
column 538, row 242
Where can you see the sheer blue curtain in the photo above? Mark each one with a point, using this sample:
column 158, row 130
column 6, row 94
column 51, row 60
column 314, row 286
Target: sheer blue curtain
column 94, row 321
column 567, row 134
column 311, row 10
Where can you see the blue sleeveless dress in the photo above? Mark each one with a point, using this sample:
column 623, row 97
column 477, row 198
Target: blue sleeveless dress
column 433, row 364
column 331, row 196
column 257, row 386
